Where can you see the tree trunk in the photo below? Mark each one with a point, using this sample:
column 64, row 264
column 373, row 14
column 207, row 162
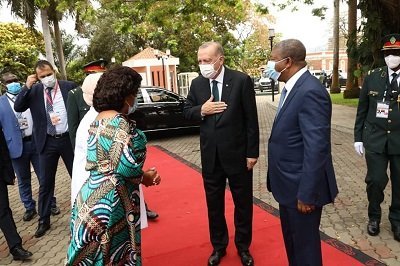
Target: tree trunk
column 47, row 36
column 335, row 86
column 352, row 90
column 60, row 51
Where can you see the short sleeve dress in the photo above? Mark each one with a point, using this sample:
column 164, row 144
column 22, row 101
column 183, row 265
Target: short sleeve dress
column 105, row 218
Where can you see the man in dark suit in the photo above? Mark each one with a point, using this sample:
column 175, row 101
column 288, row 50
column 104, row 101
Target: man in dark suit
column 17, row 128
column 7, row 224
column 47, row 102
column 300, row 170
column 224, row 101
column 377, row 128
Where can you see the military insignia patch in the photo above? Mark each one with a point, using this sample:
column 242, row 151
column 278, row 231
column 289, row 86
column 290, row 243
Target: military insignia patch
column 392, row 40
column 373, row 93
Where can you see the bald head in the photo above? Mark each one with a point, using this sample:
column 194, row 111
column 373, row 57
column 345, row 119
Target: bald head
column 292, row 48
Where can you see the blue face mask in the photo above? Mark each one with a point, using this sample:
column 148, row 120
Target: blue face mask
column 132, row 108
column 271, row 72
column 14, row 88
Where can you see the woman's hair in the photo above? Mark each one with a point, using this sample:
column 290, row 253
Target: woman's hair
column 114, row 86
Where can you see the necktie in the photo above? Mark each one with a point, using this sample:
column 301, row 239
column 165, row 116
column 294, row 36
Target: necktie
column 215, row 91
column 393, row 84
column 51, row 129
column 283, row 96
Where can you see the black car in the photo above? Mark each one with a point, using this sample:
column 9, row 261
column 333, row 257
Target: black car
column 342, row 80
column 160, row 109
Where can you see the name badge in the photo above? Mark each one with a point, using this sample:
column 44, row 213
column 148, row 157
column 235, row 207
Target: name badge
column 23, row 123
column 382, row 110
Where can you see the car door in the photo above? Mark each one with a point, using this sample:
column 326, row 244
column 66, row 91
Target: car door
column 166, row 111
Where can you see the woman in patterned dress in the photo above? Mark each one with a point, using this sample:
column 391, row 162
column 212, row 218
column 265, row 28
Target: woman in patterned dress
column 105, row 219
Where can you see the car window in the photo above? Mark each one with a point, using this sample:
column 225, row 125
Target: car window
column 139, row 97
column 162, row 96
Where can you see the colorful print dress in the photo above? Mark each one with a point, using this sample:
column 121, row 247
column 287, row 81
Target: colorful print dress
column 105, row 218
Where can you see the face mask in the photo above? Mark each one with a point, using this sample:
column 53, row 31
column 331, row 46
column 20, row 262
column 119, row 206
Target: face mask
column 132, row 108
column 14, row 88
column 49, row 81
column 208, row 71
column 392, row 61
column 271, row 72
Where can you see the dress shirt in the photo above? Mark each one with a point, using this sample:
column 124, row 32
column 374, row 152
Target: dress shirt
column 79, row 173
column 27, row 115
column 290, row 83
column 220, row 79
column 390, row 72
column 58, row 107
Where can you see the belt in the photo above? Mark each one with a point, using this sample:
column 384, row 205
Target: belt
column 57, row 136
column 27, row 138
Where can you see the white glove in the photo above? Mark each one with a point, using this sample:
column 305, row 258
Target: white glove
column 359, row 147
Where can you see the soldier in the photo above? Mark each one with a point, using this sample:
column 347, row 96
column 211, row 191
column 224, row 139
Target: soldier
column 377, row 128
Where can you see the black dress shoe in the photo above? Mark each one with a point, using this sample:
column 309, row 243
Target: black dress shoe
column 246, row 258
column 55, row 210
column 216, row 257
column 19, row 253
column 396, row 232
column 42, row 229
column 373, row 228
column 29, row 214
column 151, row 215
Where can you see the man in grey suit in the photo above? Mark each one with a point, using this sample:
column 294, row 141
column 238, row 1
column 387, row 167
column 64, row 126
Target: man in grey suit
column 224, row 101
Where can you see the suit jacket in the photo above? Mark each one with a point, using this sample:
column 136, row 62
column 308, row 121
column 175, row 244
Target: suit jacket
column 6, row 169
column 375, row 132
column 77, row 108
column 299, row 148
column 234, row 134
column 33, row 98
column 10, row 126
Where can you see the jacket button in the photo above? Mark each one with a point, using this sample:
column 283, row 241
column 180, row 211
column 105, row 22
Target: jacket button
column 390, row 109
column 388, row 131
column 389, row 121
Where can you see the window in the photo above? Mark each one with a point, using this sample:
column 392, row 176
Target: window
column 162, row 96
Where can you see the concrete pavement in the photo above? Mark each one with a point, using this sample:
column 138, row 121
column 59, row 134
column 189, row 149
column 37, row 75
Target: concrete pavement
column 345, row 220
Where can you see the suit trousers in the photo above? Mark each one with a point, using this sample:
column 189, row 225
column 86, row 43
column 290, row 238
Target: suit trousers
column 22, row 167
column 377, row 179
column 241, row 187
column 7, row 224
column 54, row 149
column 301, row 236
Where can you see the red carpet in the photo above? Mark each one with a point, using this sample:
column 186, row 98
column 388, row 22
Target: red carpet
column 180, row 235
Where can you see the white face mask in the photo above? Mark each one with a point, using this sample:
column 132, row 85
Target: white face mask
column 208, row 71
column 132, row 108
column 49, row 81
column 392, row 61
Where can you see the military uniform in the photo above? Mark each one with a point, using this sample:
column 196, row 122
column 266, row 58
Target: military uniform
column 377, row 127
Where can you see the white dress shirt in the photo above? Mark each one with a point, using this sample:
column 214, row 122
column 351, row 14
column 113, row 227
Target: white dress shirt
column 58, row 107
column 25, row 115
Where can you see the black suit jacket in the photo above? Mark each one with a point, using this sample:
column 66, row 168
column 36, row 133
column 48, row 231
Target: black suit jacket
column 234, row 134
column 6, row 170
column 77, row 108
column 34, row 99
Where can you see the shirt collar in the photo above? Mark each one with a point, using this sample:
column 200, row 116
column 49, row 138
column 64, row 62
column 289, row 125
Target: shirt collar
column 290, row 83
column 220, row 77
column 390, row 72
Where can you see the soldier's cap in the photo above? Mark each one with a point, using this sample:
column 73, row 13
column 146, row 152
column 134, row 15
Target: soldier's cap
column 95, row 66
column 391, row 41
column 9, row 77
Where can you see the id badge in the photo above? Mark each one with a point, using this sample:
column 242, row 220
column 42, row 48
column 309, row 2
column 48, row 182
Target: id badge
column 23, row 123
column 382, row 110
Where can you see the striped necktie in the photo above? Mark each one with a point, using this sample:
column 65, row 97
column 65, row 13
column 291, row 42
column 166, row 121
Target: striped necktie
column 283, row 96
column 51, row 129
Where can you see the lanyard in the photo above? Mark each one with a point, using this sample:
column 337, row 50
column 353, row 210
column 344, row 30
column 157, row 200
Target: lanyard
column 49, row 99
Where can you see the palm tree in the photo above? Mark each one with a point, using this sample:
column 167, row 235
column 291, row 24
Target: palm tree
column 335, row 87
